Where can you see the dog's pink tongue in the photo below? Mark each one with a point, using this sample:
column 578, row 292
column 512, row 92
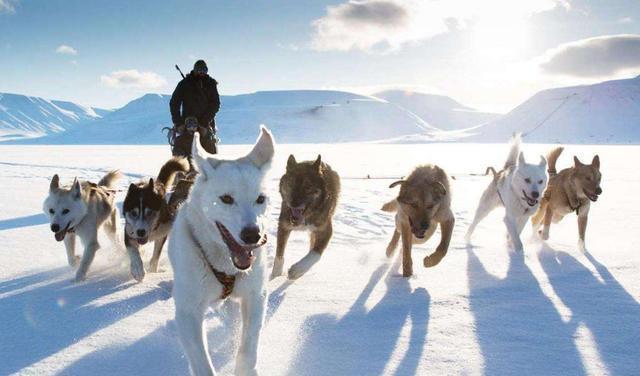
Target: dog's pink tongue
column 297, row 213
column 243, row 259
column 60, row 235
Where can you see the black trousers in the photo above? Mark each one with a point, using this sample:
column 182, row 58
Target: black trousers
column 183, row 142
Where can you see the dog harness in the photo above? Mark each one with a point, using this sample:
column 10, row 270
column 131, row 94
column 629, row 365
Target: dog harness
column 227, row 281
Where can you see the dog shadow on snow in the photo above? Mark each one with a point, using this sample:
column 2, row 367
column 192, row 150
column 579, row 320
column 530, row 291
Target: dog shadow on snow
column 602, row 305
column 520, row 331
column 517, row 326
column 362, row 341
column 45, row 312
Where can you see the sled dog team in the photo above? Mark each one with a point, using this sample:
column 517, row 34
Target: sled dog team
column 216, row 217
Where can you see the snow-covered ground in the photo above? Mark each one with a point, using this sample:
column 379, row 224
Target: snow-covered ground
column 483, row 310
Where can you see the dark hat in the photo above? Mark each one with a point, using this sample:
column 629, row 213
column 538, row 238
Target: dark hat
column 200, row 66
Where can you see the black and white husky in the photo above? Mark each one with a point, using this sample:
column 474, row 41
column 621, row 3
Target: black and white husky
column 149, row 215
column 215, row 250
column 82, row 209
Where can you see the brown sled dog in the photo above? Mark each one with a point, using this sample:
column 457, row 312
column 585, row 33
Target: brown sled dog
column 424, row 202
column 309, row 193
column 149, row 213
column 570, row 190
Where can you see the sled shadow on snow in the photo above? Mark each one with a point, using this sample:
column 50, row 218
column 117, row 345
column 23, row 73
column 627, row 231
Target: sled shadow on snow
column 362, row 342
column 603, row 306
column 44, row 313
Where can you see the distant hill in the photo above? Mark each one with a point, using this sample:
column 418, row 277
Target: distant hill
column 440, row 111
column 607, row 112
column 294, row 116
column 25, row 116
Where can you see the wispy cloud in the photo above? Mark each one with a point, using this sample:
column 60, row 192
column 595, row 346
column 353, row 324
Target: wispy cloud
column 386, row 25
column 132, row 78
column 8, row 6
column 63, row 49
column 625, row 20
column 594, row 57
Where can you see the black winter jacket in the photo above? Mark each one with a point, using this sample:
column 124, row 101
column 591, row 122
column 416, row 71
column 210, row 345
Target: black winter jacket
column 197, row 96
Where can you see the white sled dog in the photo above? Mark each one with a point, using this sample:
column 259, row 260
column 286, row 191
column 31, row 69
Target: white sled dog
column 518, row 187
column 214, row 248
column 82, row 209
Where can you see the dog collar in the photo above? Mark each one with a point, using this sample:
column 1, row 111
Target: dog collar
column 227, row 281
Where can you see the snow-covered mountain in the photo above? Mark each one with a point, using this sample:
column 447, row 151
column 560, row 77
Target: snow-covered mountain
column 438, row 110
column 294, row 116
column 607, row 112
column 25, row 116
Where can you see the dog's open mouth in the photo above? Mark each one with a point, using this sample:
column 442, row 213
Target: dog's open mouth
column 142, row 240
column 530, row 200
column 297, row 213
column 241, row 255
column 591, row 196
column 416, row 231
column 62, row 233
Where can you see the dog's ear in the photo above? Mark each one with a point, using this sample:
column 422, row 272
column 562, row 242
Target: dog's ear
column 201, row 158
column 397, row 182
column 291, row 162
column 439, row 188
column 132, row 187
column 543, row 161
column 264, row 149
column 521, row 160
column 596, row 162
column 576, row 161
column 55, row 183
column 76, row 190
column 317, row 165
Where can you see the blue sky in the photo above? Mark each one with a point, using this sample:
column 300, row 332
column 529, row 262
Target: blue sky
column 490, row 54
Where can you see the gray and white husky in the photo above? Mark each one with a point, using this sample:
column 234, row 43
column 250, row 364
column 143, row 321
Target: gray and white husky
column 215, row 250
column 518, row 187
column 82, row 209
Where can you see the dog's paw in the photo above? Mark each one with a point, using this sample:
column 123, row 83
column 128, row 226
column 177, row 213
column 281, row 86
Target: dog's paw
column 153, row 267
column 240, row 371
column 137, row 271
column 430, row 261
column 80, row 277
column 391, row 251
column 73, row 262
column 295, row 272
column 278, row 264
column 298, row 269
column 581, row 246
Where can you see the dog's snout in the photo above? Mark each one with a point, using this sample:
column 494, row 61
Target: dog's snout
column 55, row 227
column 141, row 233
column 425, row 225
column 535, row 194
column 250, row 235
column 598, row 190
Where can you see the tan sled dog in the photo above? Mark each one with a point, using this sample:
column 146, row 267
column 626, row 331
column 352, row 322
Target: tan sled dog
column 424, row 202
column 309, row 192
column 570, row 190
